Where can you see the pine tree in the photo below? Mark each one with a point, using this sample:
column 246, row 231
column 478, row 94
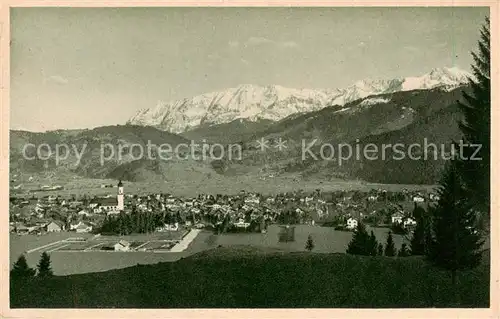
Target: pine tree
column 404, row 252
column 456, row 243
column 21, row 270
column 309, row 243
column 360, row 243
column 380, row 249
column 421, row 238
column 373, row 244
column 475, row 127
column 390, row 249
column 44, row 269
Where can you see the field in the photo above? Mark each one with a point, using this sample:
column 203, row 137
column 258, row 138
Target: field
column 246, row 277
column 64, row 261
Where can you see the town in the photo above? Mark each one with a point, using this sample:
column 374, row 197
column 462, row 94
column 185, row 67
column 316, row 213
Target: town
column 124, row 214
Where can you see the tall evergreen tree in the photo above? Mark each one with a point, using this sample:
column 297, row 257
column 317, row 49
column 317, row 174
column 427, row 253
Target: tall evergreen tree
column 403, row 252
column 360, row 243
column 390, row 249
column 380, row 249
column 456, row 243
column 421, row 237
column 475, row 127
column 373, row 244
column 44, row 269
column 309, row 243
column 21, row 270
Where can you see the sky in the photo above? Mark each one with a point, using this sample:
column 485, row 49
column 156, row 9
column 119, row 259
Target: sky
column 75, row 68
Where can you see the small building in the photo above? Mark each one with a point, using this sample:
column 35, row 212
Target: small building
column 418, row 199
column 54, row 226
column 433, row 197
column 22, row 229
column 397, row 218
column 352, row 223
column 84, row 212
column 122, row 245
column 241, row 224
column 83, row 228
column 409, row 222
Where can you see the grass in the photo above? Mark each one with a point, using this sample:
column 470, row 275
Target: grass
column 249, row 277
column 326, row 240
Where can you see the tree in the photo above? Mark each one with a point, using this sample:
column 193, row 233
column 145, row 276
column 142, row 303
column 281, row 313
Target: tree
column 373, row 244
column 380, row 249
column 360, row 243
column 456, row 243
column 404, row 252
column 309, row 243
column 421, row 238
column 390, row 249
column 475, row 127
column 44, row 269
column 21, row 270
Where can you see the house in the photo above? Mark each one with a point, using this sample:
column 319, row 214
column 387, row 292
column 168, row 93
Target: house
column 418, row 199
column 352, row 223
column 409, row 222
column 22, row 229
column 434, row 197
column 241, row 224
column 54, row 226
column 173, row 227
column 122, row 245
column 83, row 212
column 397, row 218
column 83, row 228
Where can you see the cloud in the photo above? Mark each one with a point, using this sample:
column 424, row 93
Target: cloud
column 57, row 79
column 244, row 61
column 361, row 44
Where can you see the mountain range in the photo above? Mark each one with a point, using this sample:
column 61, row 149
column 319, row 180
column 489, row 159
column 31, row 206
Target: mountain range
column 380, row 112
column 273, row 103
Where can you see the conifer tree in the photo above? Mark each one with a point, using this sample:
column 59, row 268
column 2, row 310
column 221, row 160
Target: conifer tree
column 44, row 269
column 380, row 249
column 456, row 244
column 390, row 249
column 404, row 252
column 360, row 243
column 373, row 244
column 309, row 243
column 421, row 238
column 21, row 270
column 475, row 127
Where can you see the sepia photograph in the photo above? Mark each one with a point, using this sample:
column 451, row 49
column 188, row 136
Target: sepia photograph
column 281, row 157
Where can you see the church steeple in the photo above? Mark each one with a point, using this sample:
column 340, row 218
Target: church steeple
column 120, row 195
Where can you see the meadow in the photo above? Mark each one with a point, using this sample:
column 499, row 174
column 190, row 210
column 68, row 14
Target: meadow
column 247, row 277
column 326, row 240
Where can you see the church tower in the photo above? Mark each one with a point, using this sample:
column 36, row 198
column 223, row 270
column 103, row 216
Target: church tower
column 120, row 195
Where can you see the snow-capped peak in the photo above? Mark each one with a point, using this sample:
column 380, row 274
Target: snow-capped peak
column 439, row 77
column 275, row 102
